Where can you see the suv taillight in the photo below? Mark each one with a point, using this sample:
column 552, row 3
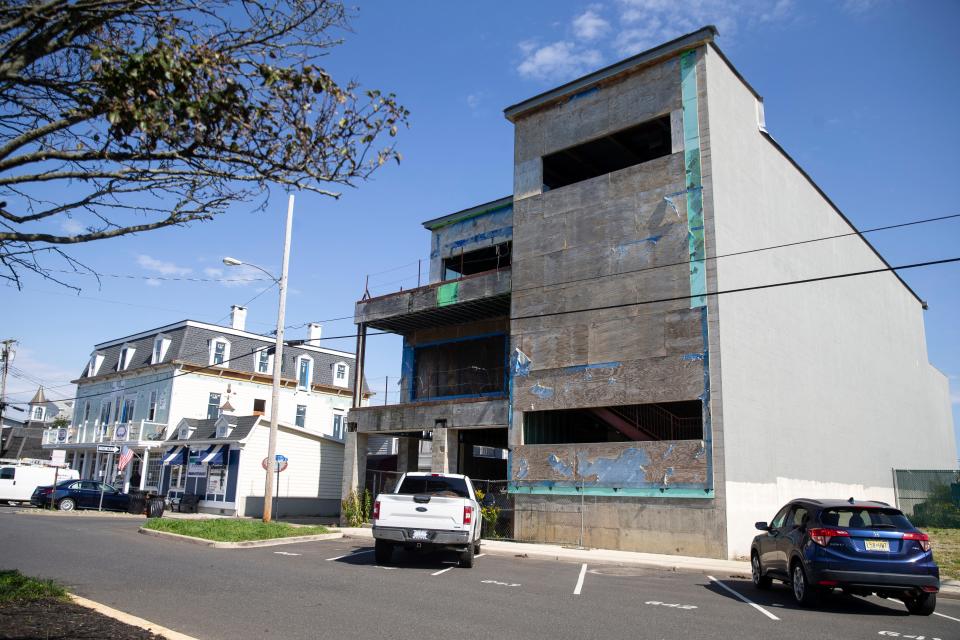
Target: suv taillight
column 922, row 539
column 376, row 510
column 467, row 515
column 822, row 536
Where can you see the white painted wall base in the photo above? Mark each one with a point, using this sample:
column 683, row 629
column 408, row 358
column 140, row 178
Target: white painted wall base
column 751, row 502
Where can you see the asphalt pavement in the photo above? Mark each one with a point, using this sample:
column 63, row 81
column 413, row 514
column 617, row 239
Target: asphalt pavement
column 334, row 589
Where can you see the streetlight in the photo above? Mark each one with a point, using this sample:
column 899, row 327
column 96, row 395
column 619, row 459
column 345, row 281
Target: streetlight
column 277, row 360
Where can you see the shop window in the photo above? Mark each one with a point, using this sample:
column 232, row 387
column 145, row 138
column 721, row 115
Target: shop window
column 178, row 478
column 641, row 143
column 216, row 482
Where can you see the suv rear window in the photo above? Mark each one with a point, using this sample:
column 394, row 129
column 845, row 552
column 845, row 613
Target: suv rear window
column 431, row 485
column 860, row 518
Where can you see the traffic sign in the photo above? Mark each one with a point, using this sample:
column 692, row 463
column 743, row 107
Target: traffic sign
column 107, row 448
column 281, row 464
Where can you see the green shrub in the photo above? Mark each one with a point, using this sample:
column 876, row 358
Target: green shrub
column 356, row 509
column 490, row 516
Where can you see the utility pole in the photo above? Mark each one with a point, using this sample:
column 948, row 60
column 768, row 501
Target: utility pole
column 7, row 357
column 268, row 488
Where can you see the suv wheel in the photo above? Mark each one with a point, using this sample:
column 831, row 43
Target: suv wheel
column 922, row 605
column 803, row 592
column 760, row 581
column 382, row 552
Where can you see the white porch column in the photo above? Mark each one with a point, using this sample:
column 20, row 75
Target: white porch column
column 96, row 467
column 144, row 466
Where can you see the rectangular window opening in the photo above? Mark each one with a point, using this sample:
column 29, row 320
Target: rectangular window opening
column 213, row 406
column 472, row 367
column 641, row 143
column 623, row 423
column 301, row 415
column 477, row 261
column 259, row 406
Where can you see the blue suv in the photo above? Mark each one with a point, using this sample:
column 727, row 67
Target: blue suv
column 862, row 548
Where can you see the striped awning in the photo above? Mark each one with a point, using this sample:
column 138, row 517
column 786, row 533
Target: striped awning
column 216, row 454
column 176, row 455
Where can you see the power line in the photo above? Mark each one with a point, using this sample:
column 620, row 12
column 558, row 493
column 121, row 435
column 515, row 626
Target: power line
column 742, row 289
column 133, row 276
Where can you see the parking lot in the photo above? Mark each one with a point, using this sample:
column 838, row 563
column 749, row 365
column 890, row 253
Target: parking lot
column 334, row 589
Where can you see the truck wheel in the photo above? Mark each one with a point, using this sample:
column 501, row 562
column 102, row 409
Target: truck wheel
column 922, row 605
column 466, row 557
column 67, row 504
column 476, row 548
column 382, row 552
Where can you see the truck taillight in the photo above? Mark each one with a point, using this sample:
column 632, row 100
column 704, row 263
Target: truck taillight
column 922, row 539
column 376, row 510
column 467, row 515
column 822, row 536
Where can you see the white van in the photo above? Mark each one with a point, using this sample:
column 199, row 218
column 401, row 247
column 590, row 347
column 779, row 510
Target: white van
column 18, row 481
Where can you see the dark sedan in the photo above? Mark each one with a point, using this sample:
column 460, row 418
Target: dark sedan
column 80, row 494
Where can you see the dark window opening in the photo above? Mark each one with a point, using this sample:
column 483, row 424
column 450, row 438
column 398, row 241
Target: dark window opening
column 259, row 406
column 477, row 261
column 619, row 150
column 664, row 421
column 463, row 368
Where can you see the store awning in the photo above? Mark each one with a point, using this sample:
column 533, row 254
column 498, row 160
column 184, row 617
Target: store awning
column 176, row 455
column 216, row 454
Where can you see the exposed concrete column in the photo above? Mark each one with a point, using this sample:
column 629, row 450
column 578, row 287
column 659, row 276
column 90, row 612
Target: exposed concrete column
column 408, row 454
column 354, row 466
column 85, row 467
column 444, row 450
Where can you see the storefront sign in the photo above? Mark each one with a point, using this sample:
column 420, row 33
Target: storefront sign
column 215, row 482
column 197, row 471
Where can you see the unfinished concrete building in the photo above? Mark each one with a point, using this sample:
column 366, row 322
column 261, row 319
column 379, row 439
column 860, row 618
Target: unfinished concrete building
column 583, row 324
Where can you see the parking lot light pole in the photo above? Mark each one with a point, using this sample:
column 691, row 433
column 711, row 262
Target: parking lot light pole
column 268, row 485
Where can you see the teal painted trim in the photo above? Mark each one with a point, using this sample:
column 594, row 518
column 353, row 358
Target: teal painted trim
column 703, row 494
column 692, row 171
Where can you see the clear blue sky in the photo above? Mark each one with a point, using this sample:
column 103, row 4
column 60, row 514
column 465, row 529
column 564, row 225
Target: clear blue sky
column 862, row 93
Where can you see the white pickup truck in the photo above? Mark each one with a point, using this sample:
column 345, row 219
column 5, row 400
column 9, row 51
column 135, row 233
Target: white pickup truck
column 428, row 511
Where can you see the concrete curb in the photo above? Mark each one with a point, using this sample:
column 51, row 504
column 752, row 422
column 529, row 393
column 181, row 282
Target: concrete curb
column 133, row 621
column 80, row 514
column 247, row 544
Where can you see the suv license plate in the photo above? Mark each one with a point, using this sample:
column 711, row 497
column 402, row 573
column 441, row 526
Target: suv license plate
column 418, row 534
column 877, row 545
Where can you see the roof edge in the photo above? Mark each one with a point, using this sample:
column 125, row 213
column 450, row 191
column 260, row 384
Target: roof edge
column 470, row 212
column 702, row 35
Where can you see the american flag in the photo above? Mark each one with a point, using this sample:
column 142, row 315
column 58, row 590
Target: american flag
column 126, row 455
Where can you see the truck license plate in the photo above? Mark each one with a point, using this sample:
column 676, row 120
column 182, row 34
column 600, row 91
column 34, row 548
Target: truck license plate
column 419, row 534
column 877, row 545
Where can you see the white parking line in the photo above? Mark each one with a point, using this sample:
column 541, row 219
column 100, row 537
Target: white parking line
column 947, row 617
column 744, row 598
column 479, row 555
column 583, row 572
column 436, row 573
column 352, row 553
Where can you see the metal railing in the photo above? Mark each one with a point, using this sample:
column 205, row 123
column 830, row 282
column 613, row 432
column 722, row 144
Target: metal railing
column 92, row 432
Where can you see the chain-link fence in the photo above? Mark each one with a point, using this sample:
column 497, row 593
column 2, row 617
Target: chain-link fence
column 930, row 498
column 498, row 518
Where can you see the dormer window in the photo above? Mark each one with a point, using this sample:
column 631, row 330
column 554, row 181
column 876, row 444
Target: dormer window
column 341, row 373
column 304, row 372
column 160, row 345
column 93, row 367
column 264, row 361
column 126, row 356
column 219, row 352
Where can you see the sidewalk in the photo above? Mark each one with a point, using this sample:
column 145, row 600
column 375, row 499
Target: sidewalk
column 948, row 588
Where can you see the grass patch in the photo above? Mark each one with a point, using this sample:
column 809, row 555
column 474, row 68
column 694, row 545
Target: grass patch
column 16, row 587
column 946, row 551
column 231, row 529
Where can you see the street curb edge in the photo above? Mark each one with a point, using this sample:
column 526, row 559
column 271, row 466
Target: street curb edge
column 131, row 620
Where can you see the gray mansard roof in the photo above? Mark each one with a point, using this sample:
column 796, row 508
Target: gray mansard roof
column 190, row 343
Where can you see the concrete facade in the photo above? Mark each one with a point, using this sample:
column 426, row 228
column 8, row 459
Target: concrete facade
column 617, row 304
